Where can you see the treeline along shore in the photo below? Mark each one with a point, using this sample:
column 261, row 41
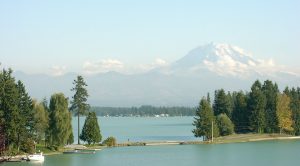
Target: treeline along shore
column 144, row 111
column 265, row 109
column 26, row 123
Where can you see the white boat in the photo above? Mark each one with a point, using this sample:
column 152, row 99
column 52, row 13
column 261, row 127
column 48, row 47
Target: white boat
column 36, row 157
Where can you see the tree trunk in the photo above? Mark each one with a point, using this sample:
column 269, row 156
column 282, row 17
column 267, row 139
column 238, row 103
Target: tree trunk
column 78, row 130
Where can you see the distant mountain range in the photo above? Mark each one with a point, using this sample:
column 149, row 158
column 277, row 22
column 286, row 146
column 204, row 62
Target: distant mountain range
column 182, row 83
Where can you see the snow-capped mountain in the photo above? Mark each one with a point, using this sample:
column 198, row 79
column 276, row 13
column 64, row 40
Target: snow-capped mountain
column 226, row 60
column 182, row 83
column 214, row 52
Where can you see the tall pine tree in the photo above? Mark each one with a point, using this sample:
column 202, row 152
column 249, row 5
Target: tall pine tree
column 26, row 116
column 257, row 104
column 270, row 90
column 222, row 103
column 203, row 121
column 240, row 114
column 79, row 103
column 9, row 108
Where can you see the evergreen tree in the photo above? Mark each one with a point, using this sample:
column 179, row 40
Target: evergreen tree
column 2, row 133
column 256, row 104
column 59, row 120
column 226, row 127
column 16, row 115
column 222, row 103
column 9, row 108
column 79, row 103
column 240, row 114
column 203, row 121
column 270, row 90
column 91, row 130
column 26, row 121
column 284, row 113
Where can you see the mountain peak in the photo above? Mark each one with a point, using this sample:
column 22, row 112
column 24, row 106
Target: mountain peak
column 214, row 52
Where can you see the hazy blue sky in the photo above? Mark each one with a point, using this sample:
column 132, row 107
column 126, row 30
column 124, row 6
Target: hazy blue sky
column 37, row 35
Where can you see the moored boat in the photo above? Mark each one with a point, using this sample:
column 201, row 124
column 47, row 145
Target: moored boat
column 36, row 157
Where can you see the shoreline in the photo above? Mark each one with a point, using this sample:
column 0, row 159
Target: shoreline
column 235, row 138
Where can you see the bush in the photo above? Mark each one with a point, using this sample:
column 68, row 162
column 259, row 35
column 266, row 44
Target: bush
column 27, row 146
column 225, row 125
column 110, row 141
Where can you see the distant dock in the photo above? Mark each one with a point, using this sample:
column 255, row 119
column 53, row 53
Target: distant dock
column 164, row 143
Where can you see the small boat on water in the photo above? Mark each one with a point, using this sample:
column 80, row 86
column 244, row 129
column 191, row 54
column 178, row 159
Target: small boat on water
column 70, row 152
column 36, row 157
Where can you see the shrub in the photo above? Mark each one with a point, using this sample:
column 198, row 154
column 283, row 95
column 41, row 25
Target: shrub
column 225, row 125
column 110, row 141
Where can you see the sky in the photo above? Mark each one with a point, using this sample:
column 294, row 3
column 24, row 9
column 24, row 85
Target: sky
column 56, row 37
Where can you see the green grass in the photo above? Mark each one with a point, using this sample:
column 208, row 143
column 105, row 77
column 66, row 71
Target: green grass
column 248, row 137
column 45, row 150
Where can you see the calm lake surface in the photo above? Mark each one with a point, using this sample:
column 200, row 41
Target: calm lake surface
column 273, row 153
column 143, row 128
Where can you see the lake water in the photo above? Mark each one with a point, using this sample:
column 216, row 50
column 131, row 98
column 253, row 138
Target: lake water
column 143, row 128
column 273, row 153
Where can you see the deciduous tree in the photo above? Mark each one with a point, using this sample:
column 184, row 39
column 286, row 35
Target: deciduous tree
column 225, row 125
column 59, row 120
column 284, row 113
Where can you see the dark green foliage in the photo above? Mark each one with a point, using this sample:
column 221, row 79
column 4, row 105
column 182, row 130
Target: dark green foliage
column 225, row 125
column 240, row 114
column 110, row 141
column 79, row 103
column 143, row 111
column 59, row 120
column 9, row 107
column 270, row 91
column 16, row 115
column 257, row 104
column 222, row 103
column 91, row 130
column 26, row 122
column 203, row 121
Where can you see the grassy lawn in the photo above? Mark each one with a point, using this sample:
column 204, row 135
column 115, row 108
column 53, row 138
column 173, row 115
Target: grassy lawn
column 45, row 150
column 248, row 137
